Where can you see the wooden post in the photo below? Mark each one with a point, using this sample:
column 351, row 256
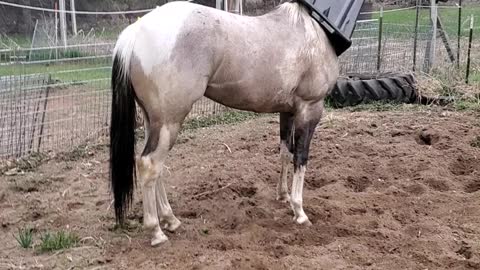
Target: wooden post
column 40, row 135
column 430, row 49
column 33, row 41
column 380, row 31
column 218, row 4
column 470, row 38
column 74, row 17
column 445, row 39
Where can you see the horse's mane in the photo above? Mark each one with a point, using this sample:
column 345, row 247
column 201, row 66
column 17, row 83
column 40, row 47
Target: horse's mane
column 297, row 14
column 293, row 9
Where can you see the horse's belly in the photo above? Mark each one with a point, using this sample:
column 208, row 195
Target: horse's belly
column 254, row 98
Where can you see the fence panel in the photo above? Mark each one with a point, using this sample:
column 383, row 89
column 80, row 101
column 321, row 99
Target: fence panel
column 55, row 97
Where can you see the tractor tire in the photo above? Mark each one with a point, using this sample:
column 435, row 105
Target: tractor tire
column 360, row 88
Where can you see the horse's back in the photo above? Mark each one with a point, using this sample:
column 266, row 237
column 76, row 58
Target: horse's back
column 179, row 34
column 243, row 62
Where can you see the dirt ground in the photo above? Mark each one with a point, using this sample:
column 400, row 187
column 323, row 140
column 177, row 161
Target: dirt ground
column 384, row 190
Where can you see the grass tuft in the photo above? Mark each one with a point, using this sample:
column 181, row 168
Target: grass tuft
column 25, row 237
column 465, row 105
column 58, row 241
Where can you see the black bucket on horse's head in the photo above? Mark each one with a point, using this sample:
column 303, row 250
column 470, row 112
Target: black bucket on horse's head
column 122, row 139
column 337, row 18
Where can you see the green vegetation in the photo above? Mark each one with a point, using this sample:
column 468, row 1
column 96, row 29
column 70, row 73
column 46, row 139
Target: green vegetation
column 228, row 117
column 16, row 40
column 449, row 17
column 401, row 23
column 467, row 105
column 475, row 77
column 25, row 237
column 382, row 106
column 48, row 242
column 58, row 241
column 63, row 72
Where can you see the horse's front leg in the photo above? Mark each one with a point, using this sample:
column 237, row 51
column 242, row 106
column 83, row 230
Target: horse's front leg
column 304, row 126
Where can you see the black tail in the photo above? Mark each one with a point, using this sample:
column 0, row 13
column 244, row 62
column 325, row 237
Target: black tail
column 122, row 139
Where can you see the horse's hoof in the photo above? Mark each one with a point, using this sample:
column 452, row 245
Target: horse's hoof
column 303, row 220
column 159, row 239
column 285, row 198
column 172, row 225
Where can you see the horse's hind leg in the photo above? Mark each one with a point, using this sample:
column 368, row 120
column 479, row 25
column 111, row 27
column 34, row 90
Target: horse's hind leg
column 165, row 213
column 304, row 124
column 286, row 122
column 150, row 168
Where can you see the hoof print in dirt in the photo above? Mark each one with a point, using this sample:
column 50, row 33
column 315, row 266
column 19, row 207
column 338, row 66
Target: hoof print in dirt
column 465, row 250
column 427, row 137
column 473, row 186
column 358, row 184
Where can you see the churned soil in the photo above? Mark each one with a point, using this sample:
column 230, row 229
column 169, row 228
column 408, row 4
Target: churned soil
column 384, row 190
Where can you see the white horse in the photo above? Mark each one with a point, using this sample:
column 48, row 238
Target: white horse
column 280, row 62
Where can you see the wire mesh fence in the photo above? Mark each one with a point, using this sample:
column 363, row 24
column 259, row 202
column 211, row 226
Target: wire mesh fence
column 54, row 97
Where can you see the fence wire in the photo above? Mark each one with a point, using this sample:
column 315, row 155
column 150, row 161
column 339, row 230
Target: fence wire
column 53, row 97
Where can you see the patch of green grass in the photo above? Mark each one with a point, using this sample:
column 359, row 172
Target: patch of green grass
column 49, row 55
column 58, row 241
column 382, row 106
column 63, row 72
column 474, row 78
column 376, row 106
column 467, row 105
column 25, row 237
column 18, row 39
column 25, row 164
column 80, row 152
column 228, row 117
column 449, row 17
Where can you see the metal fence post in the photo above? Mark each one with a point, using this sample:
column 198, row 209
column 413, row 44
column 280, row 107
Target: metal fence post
column 74, row 17
column 415, row 39
column 459, row 32
column 470, row 38
column 63, row 23
column 380, row 30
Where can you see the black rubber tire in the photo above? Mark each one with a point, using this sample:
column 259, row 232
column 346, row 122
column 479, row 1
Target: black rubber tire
column 364, row 88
